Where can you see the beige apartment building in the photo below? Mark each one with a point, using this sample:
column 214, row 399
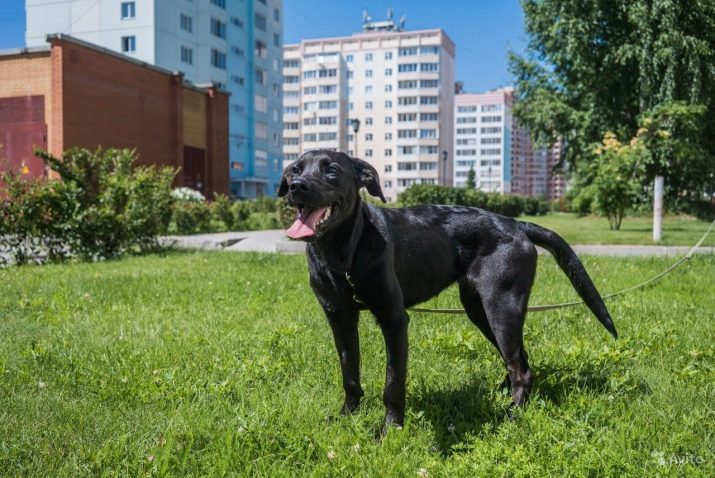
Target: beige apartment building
column 383, row 95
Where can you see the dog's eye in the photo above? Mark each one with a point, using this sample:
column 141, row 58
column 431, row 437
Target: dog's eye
column 295, row 170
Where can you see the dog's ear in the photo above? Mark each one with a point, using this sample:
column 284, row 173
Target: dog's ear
column 367, row 175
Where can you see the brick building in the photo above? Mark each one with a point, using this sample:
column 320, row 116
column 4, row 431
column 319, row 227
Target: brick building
column 72, row 93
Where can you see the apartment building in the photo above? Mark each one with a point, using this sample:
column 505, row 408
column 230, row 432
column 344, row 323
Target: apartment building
column 236, row 45
column 384, row 95
column 489, row 140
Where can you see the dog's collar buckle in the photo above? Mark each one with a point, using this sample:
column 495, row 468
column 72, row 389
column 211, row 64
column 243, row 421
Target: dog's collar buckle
column 355, row 297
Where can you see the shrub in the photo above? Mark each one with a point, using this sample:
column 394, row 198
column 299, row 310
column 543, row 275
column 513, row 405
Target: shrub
column 100, row 207
column 506, row 204
column 221, row 211
column 192, row 217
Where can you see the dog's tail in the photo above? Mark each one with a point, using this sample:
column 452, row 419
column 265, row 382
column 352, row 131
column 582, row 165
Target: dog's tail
column 574, row 270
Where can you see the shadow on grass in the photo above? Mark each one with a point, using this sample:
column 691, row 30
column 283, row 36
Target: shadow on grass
column 477, row 409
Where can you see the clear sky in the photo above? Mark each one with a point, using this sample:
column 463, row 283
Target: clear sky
column 483, row 30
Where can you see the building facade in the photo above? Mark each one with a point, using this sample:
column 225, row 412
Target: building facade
column 236, row 45
column 76, row 94
column 383, row 95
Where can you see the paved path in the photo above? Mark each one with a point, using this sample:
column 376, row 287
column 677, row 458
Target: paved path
column 276, row 241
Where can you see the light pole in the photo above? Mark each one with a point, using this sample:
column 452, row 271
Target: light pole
column 355, row 123
column 444, row 162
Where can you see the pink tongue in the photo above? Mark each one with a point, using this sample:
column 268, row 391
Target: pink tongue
column 304, row 226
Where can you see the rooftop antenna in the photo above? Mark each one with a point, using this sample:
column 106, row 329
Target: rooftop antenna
column 389, row 13
column 403, row 18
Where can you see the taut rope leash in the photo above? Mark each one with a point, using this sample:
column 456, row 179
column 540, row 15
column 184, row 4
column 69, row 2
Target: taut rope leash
column 539, row 308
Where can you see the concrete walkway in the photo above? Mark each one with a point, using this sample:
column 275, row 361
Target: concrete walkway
column 276, row 241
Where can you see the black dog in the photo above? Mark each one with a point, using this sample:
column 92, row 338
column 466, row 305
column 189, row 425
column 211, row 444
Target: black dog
column 386, row 260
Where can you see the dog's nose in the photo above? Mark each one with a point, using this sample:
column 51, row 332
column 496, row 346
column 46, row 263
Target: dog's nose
column 299, row 185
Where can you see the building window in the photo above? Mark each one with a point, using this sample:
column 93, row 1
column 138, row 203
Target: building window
column 368, row 56
column 388, row 168
column 129, row 44
column 368, row 153
column 388, row 88
column 388, row 104
column 276, row 39
column 276, row 15
column 388, row 120
column 260, row 22
column 261, row 104
column 388, row 152
column 261, row 130
column 237, row 51
column 408, row 51
column 187, row 55
column 388, row 55
column 368, row 136
column 186, row 23
column 218, row 59
column 237, row 79
column 407, row 67
column 261, row 49
column 368, row 105
column 218, row 28
column 219, row 3
column 348, row 58
column 237, row 21
column 368, row 73
column 388, row 71
column 129, row 10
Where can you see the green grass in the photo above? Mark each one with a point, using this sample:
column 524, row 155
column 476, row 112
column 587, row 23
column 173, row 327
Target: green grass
column 213, row 364
column 677, row 230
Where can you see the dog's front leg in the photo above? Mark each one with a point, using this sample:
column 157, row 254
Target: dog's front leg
column 393, row 323
column 344, row 325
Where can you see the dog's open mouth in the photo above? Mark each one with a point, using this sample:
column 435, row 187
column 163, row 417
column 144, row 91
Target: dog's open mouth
column 310, row 220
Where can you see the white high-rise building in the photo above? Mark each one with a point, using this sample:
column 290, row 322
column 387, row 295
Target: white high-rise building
column 236, row 45
column 396, row 87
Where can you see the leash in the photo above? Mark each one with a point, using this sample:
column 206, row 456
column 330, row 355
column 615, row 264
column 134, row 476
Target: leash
column 540, row 308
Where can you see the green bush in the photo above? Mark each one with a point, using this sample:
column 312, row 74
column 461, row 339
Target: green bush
column 99, row 208
column 582, row 203
column 221, row 211
column 192, row 217
column 506, row 204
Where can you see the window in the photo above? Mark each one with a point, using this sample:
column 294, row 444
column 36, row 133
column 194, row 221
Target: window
column 218, row 28
column 407, row 100
column 388, row 136
column 187, row 55
column 237, row 21
column 388, row 168
column 368, row 73
column 291, row 141
column 407, row 67
column 327, row 136
column 368, row 56
column 388, row 55
column 388, row 104
column 276, row 39
column 406, row 84
column 237, row 79
column 429, row 116
column 406, row 133
column 428, row 133
column 261, row 104
column 237, row 51
column 128, row 10
column 219, row 3
column 405, row 150
column 368, row 136
column 429, row 66
column 261, row 49
column 328, row 73
column 491, row 151
column 276, row 15
column 429, row 50
column 328, row 120
column 291, row 63
column 310, row 121
column 129, row 44
column 260, row 76
column 291, row 79
column 388, row 120
column 466, row 142
column 327, row 89
column 368, row 105
column 491, row 119
column 496, row 140
column 291, row 110
column 388, row 71
column 428, row 149
column 261, row 130
column 310, row 137
column 328, row 105
column 388, row 152
column 403, row 117
column 429, row 83
column 290, row 125
column 466, row 130
column 260, row 22
column 467, row 152
column 348, row 58
column 388, row 88
column 348, row 74
column 368, row 153
column 310, row 90
column 490, row 108
column 261, row 158
column 368, row 89
column 466, row 109
column 218, row 59
column 310, row 74
column 428, row 100
column 431, row 166
column 186, row 23
column 411, row 166
column 408, row 51
column 368, row 120
column 491, row 129
column 236, row 108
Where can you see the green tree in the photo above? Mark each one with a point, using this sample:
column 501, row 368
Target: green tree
column 604, row 65
column 471, row 179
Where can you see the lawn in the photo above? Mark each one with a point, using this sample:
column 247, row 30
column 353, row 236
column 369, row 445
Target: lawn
column 210, row 364
column 677, row 230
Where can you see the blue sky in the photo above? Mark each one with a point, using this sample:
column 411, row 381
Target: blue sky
column 483, row 30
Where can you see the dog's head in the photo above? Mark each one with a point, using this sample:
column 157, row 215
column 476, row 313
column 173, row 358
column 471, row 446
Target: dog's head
column 323, row 186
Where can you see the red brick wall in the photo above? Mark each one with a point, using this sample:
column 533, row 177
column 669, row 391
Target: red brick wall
column 111, row 102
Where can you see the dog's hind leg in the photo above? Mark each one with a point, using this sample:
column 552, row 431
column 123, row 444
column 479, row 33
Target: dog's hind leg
column 472, row 304
column 504, row 281
column 345, row 333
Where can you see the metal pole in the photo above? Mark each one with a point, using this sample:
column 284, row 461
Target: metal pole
column 657, row 208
